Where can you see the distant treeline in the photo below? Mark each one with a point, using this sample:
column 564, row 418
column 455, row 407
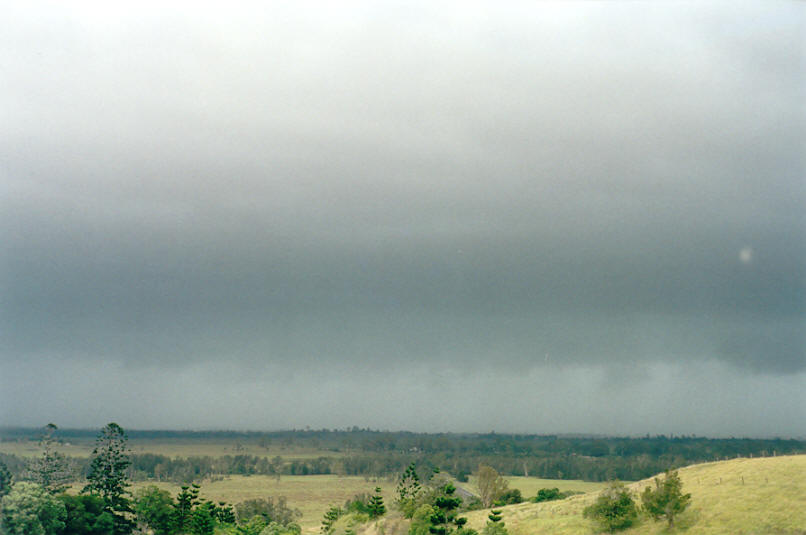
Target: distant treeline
column 365, row 452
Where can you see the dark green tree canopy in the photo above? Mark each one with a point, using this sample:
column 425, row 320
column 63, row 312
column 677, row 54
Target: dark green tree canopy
column 376, row 506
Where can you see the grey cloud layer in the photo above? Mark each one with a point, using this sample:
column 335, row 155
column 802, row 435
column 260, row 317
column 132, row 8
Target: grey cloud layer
column 452, row 186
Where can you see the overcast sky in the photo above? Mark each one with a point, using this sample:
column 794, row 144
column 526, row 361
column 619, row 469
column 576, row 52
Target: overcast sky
column 536, row 217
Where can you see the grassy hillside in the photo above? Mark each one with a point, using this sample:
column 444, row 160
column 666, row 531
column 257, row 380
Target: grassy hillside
column 740, row 496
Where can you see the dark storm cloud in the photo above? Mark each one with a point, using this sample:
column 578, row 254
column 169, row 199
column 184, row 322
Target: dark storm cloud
column 594, row 187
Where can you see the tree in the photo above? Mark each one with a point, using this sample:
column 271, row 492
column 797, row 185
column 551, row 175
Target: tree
column 50, row 470
column 330, row 518
column 5, row 479
column 154, row 508
column 107, row 477
column 29, row 509
column 509, row 497
column 495, row 524
column 547, row 495
column 253, row 526
column 491, row 485
column 376, row 506
column 203, row 519
column 268, row 509
column 86, row 515
column 408, row 491
column 614, row 509
column 444, row 517
column 186, row 500
column 224, row 513
column 666, row 499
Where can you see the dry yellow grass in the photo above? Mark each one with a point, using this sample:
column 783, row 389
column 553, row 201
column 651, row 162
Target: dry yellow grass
column 737, row 497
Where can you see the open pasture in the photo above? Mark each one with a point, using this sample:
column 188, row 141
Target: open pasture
column 740, row 496
column 530, row 485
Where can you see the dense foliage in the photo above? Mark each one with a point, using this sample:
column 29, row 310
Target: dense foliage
column 30, row 509
column 108, row 476
column 614, row 509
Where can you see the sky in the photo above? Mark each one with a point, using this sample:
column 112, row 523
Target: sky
column 513, row 217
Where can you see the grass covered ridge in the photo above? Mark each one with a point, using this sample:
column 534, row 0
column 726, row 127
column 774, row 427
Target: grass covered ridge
column 740, row 496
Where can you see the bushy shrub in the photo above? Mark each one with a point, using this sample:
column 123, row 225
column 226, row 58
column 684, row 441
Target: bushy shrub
column 547, row 495
column 614, row 509
column 421, row 520
column 509, row 497
column 269, row 509
column 666, row 499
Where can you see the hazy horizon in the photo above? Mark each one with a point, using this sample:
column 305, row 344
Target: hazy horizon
column 550, row 218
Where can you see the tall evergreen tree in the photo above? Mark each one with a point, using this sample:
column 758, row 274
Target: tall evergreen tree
column 108, row 478
column 444, row 519
column 186, row 501
column 203, row 519
column 50, row 470
column 408, row 491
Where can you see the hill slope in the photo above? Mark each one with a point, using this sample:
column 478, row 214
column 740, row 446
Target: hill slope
column 740, row 496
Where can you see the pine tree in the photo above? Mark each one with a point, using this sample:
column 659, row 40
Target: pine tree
column 376, row 506
column 495, row 524
column 186, row 501
column 50, row 470
column 224, row 513
column 331, row 516
column 108, row 478
column 408, row 491
column 203, row 519
column 444, row 518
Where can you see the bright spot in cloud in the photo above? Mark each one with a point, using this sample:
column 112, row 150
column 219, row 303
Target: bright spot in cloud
column 746, row 255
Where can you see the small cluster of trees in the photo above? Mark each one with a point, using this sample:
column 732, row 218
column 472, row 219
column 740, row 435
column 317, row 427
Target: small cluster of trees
column 616, row 509
column 361, row 507
column 106, row 507
column 433, row 506
column 40, row 506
